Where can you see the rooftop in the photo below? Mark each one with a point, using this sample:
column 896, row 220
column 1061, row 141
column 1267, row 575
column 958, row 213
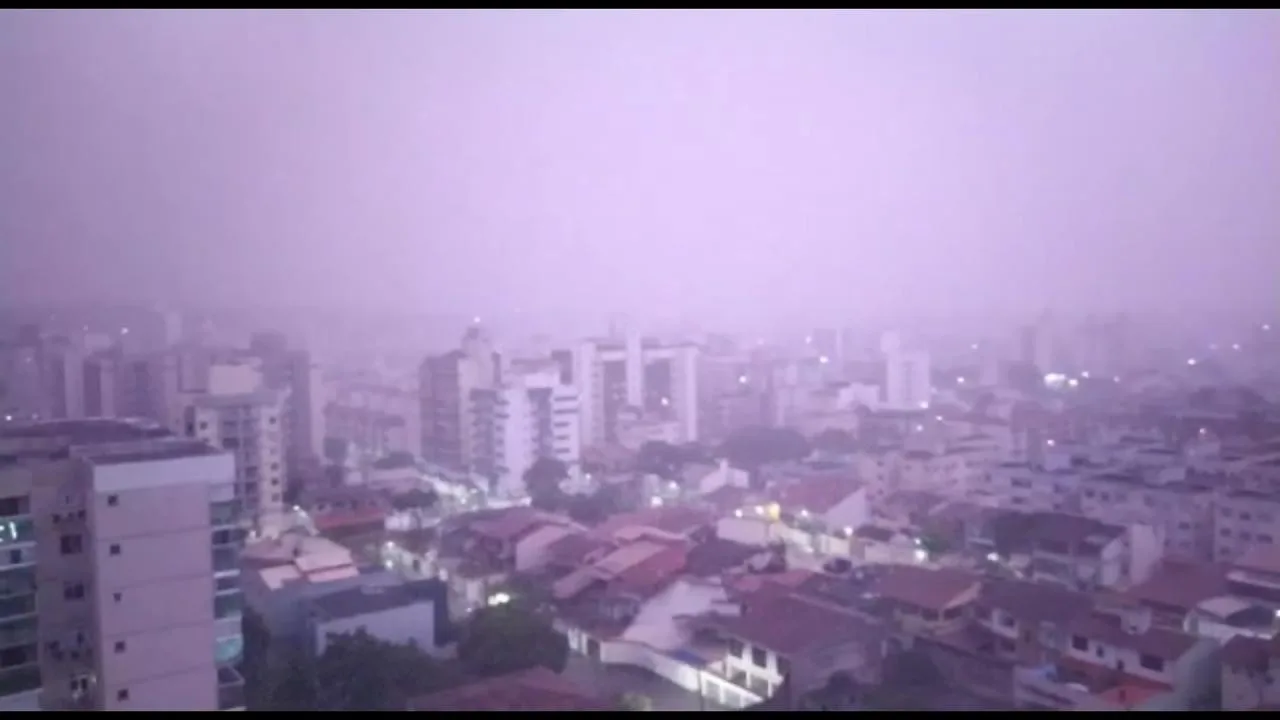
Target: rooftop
column 151, row 450
column 537, row 689
column 375, row 598
column 715, row 556
column 1180, row 584
column 1033, row 602
column 1156, row 641
column 924, row 587
column 84, row 432
column 789, row 624
column 816, row 494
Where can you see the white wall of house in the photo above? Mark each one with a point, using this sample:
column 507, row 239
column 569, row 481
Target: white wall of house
column 399, row 625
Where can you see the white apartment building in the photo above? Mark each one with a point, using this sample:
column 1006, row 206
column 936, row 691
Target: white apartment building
column 1164, row 499
column 532, row 414
column 659, row 380
column 445, row 386
column 249, row 425
column 136, row 555
column 1245, row 520
column 908, row 384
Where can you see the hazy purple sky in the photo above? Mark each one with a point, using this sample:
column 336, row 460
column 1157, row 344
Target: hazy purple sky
column 484, row 160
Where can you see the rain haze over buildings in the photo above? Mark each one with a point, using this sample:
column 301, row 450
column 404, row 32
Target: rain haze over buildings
column 703, row 356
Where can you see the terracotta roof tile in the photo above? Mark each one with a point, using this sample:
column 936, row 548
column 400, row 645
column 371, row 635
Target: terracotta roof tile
column 1245, row 652
column 1034, row 602
column 815, row 494
column 1159, row 642
column 1181, row 584
column 789, row 624
column 924, row 587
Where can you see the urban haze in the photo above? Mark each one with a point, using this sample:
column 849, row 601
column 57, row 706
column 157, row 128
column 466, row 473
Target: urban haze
column 636, row 360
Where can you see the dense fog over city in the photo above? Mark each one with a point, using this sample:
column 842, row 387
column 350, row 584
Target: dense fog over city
column 665, row 164
column 629, row 360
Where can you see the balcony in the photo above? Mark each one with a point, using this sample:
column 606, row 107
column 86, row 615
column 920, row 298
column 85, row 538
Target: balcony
column 230, row 689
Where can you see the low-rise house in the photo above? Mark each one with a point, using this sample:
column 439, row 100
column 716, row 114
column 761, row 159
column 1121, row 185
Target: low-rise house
column 1028, row 622
column 399, row 613
column 1256, row 577
column 818, row 514
column 1250, row 666
column 1245, row 520
column 1076, row 552
column 773, row 635
column 928, row 601
column 478, row 551
column 879, row 544
column 1176, row 588
column 1117, row 660
column 1224, row 617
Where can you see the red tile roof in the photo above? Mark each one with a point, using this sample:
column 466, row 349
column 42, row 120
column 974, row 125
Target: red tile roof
column 1181, row 584
column 508, row 524
column 924, row 587
column 535, row 689
column 727, row 498
column 573, row 549
column 654, row 572
column 815, row 494
column 789, row 624
column 1034, row 602
column 1244, row 652
column 1159, row 642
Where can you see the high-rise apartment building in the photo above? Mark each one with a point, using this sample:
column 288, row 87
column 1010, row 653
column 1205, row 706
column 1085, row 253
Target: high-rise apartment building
column 119, row 582
column 445, row 385
column 908, row 380
column 648, row 378
column 249, row 426
column 291, row 371
column 532, row 414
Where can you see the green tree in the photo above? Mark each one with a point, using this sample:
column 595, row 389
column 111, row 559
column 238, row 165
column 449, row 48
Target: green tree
column 542, row 482
column 506, row 638
column 934, row 544
column 909, row 679
column 840, row 692
column 752, row 447
column 659, row 458
column 835, row 441
column 361, row 672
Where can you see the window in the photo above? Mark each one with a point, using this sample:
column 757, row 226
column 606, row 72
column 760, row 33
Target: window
column 736, row 648
column 759, row 657
column 120, row 646
column 122, row 695
column 1151, row 662
column 72, row 544
column 1079, row 643
column 113, row 500
column 15, row 557
column 1006, row 620
column 784, row 666
column 73, row 591
column 115, row 549
column 117, row 597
